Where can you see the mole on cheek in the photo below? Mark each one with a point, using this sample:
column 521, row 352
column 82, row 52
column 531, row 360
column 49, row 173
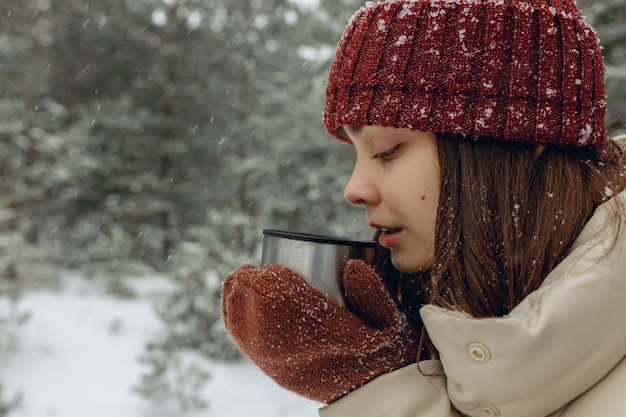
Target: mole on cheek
column 423, row 197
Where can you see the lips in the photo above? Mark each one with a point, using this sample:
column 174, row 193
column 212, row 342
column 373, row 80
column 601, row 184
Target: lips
column 388, row 235
column 385, row 230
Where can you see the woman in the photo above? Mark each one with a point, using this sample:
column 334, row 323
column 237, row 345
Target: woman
column 484, row 166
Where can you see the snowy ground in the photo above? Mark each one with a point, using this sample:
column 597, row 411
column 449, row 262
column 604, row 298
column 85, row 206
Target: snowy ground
column 76, row 356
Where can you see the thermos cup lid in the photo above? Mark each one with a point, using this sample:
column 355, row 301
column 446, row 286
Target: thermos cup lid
column 311, row 237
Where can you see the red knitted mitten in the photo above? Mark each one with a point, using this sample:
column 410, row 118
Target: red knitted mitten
column 308, row 343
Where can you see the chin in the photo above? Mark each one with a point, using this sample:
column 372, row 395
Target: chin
column 412, row 266
column 406, row 267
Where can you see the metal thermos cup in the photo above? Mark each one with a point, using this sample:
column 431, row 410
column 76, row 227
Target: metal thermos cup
column 319, row 259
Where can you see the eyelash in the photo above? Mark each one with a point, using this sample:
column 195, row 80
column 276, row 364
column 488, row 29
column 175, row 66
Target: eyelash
column 388, row 154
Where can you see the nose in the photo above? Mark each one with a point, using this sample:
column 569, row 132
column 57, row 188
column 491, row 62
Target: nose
column 361, row 190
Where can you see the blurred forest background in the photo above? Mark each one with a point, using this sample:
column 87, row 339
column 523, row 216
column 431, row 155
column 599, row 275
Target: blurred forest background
column 142, row 136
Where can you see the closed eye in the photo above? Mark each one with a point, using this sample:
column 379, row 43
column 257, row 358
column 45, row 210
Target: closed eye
column 388, row 154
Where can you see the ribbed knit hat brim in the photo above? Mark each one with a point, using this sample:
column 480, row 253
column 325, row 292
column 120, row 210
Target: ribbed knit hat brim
column 529, row 71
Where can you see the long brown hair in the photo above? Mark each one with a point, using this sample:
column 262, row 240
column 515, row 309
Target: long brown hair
column 508, row 216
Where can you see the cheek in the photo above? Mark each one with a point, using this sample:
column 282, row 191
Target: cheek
column 432, row 200
column 427, row 202
column 414, row 194
column 416, row 202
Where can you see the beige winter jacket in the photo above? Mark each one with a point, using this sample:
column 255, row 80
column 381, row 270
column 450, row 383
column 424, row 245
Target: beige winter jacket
column 559, row 353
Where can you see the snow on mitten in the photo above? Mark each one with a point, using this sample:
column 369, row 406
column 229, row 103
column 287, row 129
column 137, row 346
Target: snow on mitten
column 305, row 341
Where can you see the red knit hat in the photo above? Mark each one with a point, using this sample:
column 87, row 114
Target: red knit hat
column 514, row 70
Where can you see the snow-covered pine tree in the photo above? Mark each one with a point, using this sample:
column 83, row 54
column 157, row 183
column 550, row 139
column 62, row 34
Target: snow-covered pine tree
column 278, row 168
column 608, row 17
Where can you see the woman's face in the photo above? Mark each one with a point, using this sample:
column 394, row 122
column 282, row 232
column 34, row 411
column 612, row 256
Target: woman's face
column 396, row 178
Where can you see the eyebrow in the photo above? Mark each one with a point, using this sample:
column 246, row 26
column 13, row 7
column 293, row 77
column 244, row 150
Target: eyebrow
column 354, row 129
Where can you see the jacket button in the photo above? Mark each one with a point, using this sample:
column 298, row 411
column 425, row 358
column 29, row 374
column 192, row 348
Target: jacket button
column 490, row 410
column 479, row 352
